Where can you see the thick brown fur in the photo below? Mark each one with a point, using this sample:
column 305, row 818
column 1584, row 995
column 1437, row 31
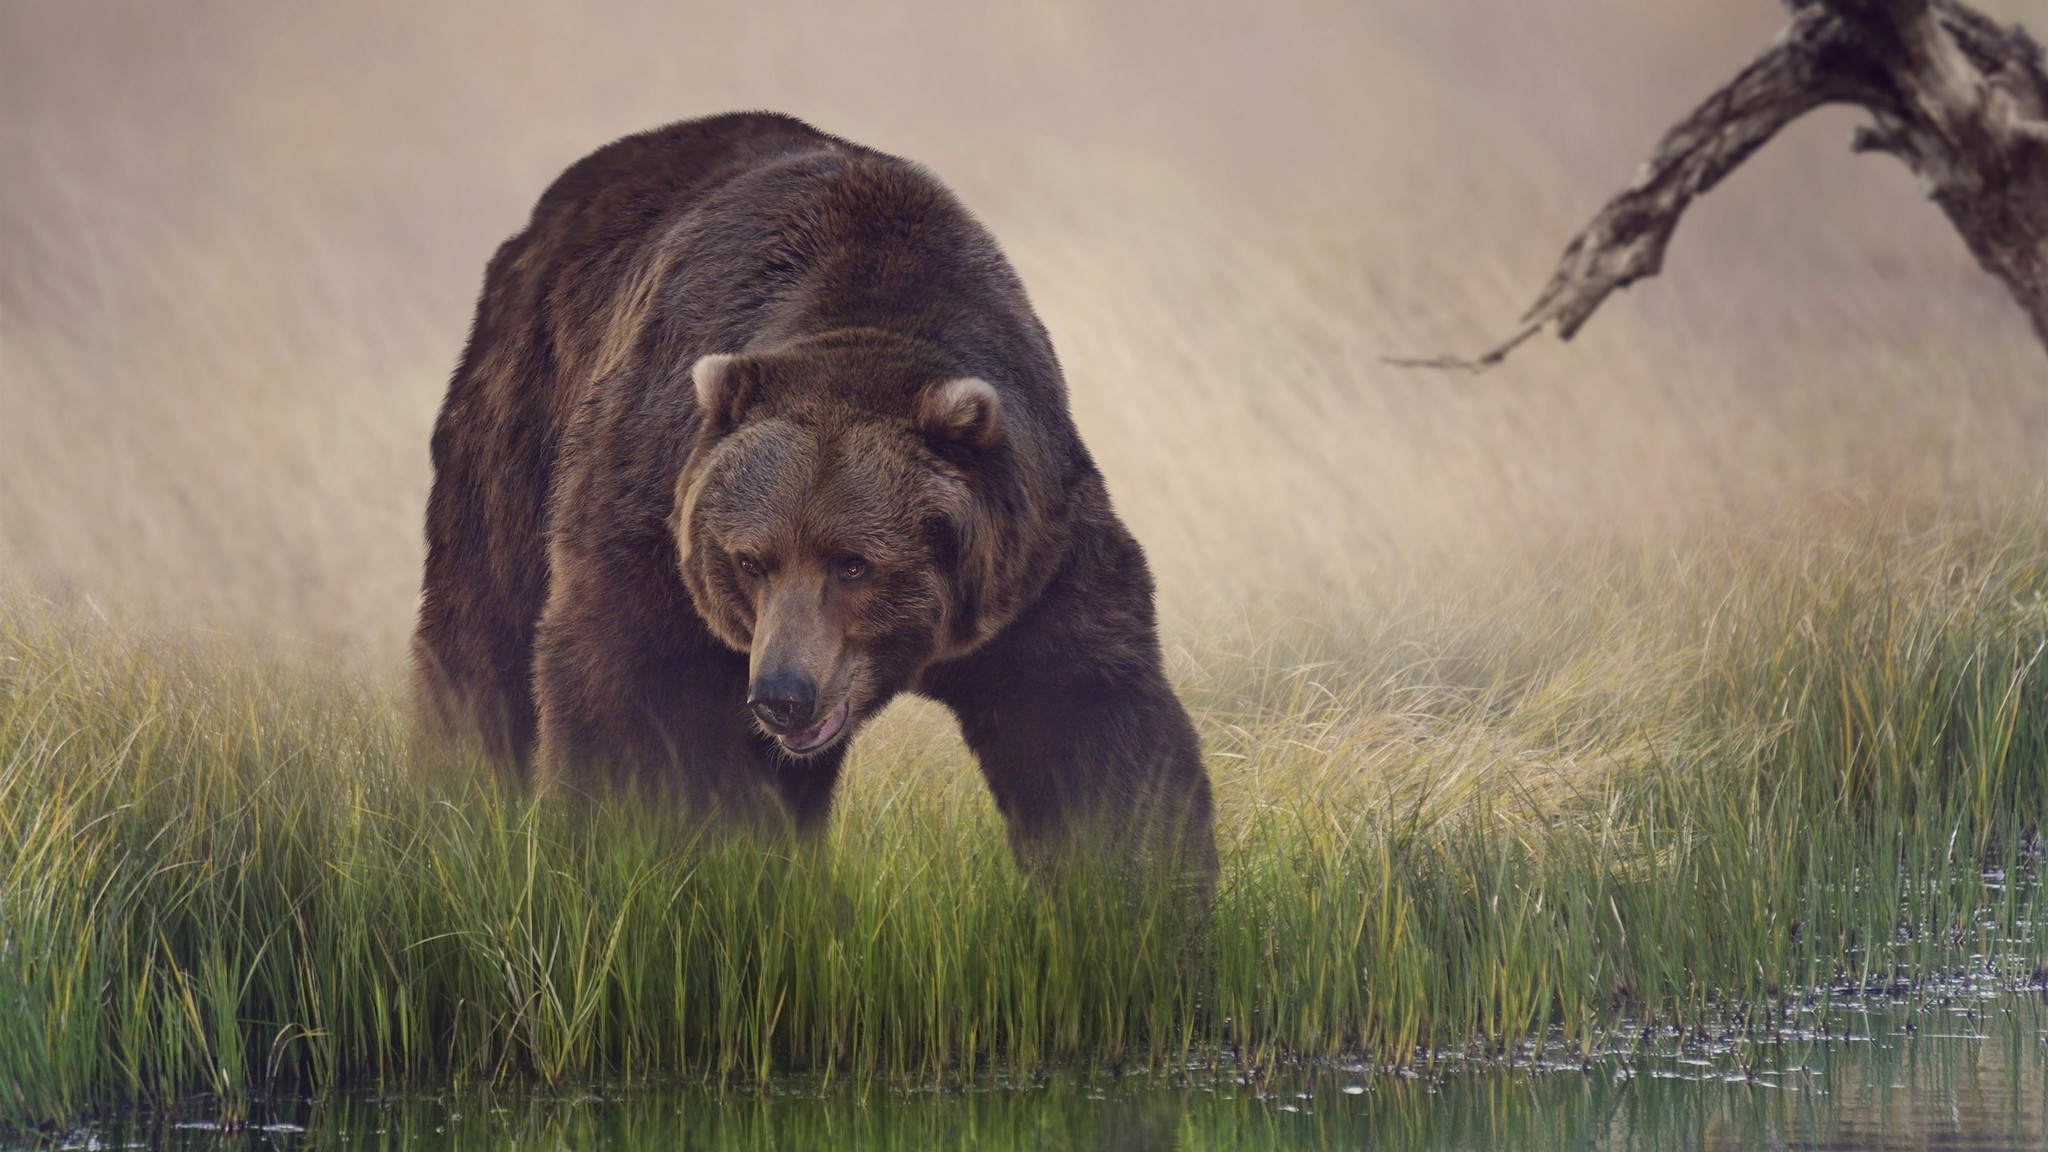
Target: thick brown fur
column 749, row 406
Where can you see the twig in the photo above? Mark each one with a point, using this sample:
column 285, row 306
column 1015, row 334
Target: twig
column 1959, row 98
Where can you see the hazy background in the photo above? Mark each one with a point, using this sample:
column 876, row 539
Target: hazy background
column 240, row 242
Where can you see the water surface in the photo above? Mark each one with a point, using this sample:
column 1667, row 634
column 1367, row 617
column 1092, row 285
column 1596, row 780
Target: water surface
column 1963, row 1069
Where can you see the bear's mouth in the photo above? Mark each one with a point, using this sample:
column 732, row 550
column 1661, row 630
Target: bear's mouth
column 818, row 735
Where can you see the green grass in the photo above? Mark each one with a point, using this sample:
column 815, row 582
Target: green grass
column 1663, row 782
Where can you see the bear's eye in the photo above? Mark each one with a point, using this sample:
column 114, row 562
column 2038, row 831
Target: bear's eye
column 853, row 568
column 749, row 565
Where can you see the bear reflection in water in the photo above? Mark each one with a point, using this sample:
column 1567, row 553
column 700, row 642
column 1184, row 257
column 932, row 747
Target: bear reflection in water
column 756, row 430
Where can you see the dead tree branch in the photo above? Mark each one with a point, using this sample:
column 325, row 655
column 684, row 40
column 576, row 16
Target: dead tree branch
column 1962, row 100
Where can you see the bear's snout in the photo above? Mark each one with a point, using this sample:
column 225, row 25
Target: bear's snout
column 784, row 702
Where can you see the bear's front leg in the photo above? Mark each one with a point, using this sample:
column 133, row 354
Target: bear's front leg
column 1080, row 737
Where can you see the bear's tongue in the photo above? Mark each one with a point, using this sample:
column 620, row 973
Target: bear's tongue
column 817, row 734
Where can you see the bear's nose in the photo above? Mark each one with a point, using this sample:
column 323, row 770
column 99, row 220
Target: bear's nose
column 784, row 703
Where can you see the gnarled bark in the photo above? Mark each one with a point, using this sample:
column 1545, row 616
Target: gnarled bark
column 1962, row 100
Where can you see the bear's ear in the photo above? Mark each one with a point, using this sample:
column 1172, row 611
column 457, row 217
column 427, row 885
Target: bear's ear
column 722, row 389
column 966, row 411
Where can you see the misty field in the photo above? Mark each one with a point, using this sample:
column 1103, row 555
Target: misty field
column 1672, row 673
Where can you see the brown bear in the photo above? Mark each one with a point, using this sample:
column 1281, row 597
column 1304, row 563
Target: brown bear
column 756, row 430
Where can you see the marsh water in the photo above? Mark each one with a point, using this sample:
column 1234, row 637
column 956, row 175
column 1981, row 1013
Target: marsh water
column 1965, row 1067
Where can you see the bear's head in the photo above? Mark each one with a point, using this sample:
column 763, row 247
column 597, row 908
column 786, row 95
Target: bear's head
column 844, row 518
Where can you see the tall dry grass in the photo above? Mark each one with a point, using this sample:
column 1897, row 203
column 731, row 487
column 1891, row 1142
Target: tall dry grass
column 1674, row 785
column 241, row 244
